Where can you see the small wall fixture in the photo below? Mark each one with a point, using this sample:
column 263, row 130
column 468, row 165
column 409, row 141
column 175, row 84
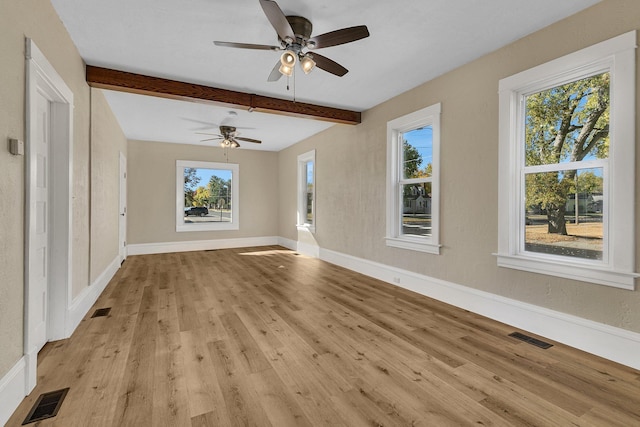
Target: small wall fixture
column 16, row 147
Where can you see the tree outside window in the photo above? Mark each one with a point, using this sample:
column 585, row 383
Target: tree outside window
column 569, row 125
column 567, row 166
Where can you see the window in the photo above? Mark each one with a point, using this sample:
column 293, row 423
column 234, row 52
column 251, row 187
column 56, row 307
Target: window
column 566, row 187
column 307, row 190
column 206, row 196
column 413, row 147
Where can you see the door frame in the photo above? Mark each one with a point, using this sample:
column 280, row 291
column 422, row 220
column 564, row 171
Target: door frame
column 42, row 78
column 122, row 208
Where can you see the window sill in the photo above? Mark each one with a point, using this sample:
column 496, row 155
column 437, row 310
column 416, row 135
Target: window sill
column 567, row 270
column 413, row 245
column 207, row 227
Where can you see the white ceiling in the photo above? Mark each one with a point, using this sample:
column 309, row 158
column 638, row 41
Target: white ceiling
column 411, row 42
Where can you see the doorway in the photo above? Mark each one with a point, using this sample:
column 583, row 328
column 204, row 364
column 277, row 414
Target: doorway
column 122, row 223
column 49, row 121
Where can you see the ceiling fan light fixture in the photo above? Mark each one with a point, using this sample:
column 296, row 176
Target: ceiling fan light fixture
column 286, row 70
column 307, row 64
column 225, row 143
column 234, row 144
column 288, row 58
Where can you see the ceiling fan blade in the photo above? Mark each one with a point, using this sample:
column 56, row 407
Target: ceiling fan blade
column 334, row 38
column 210, row 139
column 329, row 65
column 205, row 133
column 275, row 73
column 247, row 45
column 248, row 140
column 278, row 19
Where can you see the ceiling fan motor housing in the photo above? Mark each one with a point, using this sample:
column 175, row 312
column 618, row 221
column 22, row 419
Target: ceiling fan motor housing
column 302, row 28
column 227, row 131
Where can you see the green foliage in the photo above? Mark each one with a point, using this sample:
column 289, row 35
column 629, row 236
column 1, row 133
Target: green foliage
column 191, row 180
column 201, row 196
column 567, row 123
column 220, row 191
column 411, row 160
column 589, row 182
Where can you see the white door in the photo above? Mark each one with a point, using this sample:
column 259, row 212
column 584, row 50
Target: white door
column 123, row 208
column 39, row 236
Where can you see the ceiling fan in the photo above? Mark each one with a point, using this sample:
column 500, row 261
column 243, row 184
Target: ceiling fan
column 294, row 36
column 229, row 137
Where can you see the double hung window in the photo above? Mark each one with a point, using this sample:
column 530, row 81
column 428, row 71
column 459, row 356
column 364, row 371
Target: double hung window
column 413, row 147
column 566, row 190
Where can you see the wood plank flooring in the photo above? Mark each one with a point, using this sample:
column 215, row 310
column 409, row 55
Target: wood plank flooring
column 267, row 337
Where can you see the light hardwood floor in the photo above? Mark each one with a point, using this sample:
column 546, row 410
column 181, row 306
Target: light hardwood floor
column 266, row 337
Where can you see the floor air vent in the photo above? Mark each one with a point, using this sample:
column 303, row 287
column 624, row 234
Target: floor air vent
column 101, row 312
column 530, row 340
column 46, row 406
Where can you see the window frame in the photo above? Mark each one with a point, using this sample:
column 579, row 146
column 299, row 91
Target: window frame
column 429, row 116
column 616, row 269
column 303, row 160
column 234, row 224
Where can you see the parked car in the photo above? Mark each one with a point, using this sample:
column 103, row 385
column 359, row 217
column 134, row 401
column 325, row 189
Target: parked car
column 196, row 211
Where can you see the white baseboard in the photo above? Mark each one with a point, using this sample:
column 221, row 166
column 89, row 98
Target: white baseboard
column 81, row 305
column 309, row 250
column 12, row 390
column 288, row 243
column 303, row 248
column 199, row 245
column 618, row 345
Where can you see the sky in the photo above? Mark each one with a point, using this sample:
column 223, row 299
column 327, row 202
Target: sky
column 206, row 174
column 422, row 140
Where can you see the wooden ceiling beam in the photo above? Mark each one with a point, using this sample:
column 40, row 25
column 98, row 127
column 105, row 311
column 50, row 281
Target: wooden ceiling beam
column 104, row 78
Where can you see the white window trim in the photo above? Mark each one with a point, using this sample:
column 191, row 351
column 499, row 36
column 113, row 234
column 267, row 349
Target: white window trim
column 235, row 197
column 429, row 116
column 302, row 223
column 617, row 56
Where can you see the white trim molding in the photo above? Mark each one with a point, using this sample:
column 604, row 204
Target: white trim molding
column 616, row 344
column 199, row 245
column 81, row 304
column 234, row 169
column 396, row 128
column 617, row 56
column 12, row 387
column 42, row 78
column 303, row 161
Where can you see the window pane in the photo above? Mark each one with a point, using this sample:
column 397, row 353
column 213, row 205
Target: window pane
column 555, row 224
column 417, row 152
column 207, row 195
column 309, row 196
column 568, row 123
column 416, row 209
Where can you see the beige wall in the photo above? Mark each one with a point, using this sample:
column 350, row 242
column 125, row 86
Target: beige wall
column 107, row 142
column 152, row 192
column 37, row 20
column 351, row 170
